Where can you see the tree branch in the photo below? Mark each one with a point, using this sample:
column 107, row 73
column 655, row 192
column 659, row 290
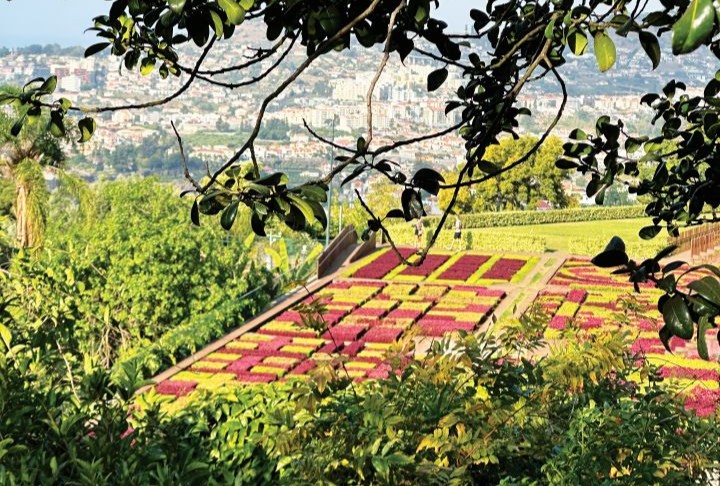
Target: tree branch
column 380, row 69
column 280, row 89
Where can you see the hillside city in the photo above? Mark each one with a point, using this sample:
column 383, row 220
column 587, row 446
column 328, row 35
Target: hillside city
column 214, row 121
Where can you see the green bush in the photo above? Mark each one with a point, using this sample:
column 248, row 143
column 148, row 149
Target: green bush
column 525, row 218
column 475, row 415
column 137, row 271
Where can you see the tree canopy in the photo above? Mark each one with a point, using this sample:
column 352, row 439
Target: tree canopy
column 510, row 46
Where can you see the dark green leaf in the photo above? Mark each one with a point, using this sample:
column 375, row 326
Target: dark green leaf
column 703, row 327
column 577, row 41
column 609, row 259
column 694, row 27
column 676, row 315
column 176, row 6
column 87, row 128
column 665, row 336
column 49, row 85
column 566, row 164
column 650, row 232
column 195, row 213
column 436, row 79
column 56, row 126
column 651, row 46
column 228, row 216
column 235, row 13
column 487, row 167
column 258, row 225
column 95, row 48
column 708, row 287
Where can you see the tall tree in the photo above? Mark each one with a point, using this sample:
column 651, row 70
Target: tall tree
column 523, row 188
column 23, row 157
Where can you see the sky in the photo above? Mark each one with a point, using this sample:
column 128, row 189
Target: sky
column 24, row 22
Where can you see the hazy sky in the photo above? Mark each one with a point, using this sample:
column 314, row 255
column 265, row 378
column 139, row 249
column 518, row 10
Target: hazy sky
column 24, row 22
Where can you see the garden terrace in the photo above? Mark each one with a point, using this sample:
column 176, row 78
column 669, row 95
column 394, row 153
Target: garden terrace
column 374, row 307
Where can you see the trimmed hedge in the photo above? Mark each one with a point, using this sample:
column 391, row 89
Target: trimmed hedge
column 474, row 240
column 636, row 251
column 525, row 218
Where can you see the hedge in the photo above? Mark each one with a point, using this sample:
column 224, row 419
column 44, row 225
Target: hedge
column 525, row 218
column 497, row 242
column 636, row 251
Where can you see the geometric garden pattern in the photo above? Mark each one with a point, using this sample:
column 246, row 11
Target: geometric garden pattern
column 378, row 301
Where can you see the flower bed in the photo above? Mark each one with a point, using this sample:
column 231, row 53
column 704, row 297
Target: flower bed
column 382, row 265
column 504, row 269
column 428, row 266
column 464, row 268
column 592, row 300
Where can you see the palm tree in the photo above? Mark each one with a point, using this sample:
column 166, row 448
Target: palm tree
column 22, row 161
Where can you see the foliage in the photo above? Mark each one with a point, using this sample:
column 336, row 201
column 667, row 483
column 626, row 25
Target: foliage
column 470, row 416
column 24, row 151
column 133, row 273
column 538, row 179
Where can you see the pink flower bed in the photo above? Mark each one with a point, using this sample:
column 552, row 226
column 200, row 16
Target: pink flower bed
column 248, row 377
column 558, row 322
column 404, row 314
column 591, row 322
column 363, row 311
column 440, row 328
column 261, row 353
column 383, row 334
column 428, row 266
column 344, row 333
column 644, row 345
column 244, row 364
column 382, row 265
column 689, row 373
column 438, row 317
column 303, row 367
column 353, row 348
column 464, row 268
column 177, row 388
column 504, row 269
column 275, row 343
column 577, row 296
column 703, row 401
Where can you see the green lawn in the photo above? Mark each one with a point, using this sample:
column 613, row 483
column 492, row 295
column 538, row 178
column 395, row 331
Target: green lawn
column 586, row 238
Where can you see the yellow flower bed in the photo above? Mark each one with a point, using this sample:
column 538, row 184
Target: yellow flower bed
column 567, row 309
column 210, row 365
column 380, row 304
column 241, row 345
column 223, row 356
column 362, row 365
column 268, row 369
column 291, row 348
column 253, row 336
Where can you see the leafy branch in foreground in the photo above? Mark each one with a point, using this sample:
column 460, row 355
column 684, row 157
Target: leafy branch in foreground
column 510, row 46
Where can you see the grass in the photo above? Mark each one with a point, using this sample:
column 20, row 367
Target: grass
column 573, row 237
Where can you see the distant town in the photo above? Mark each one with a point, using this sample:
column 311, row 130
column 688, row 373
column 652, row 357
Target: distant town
column 330, row 98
